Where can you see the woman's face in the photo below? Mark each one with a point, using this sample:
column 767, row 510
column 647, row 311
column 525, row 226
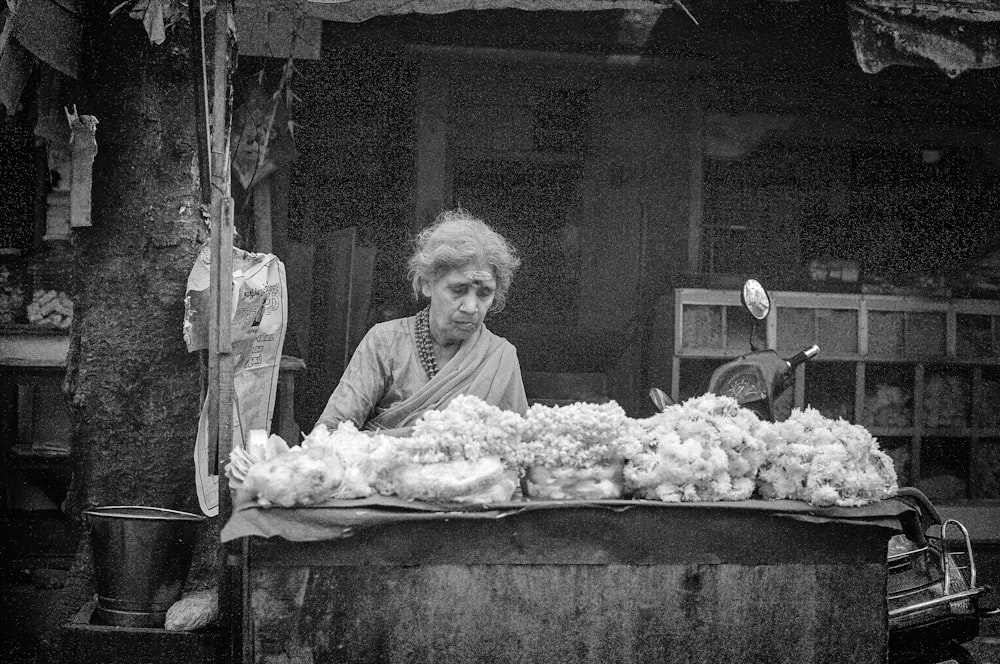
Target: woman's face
column 459, row 302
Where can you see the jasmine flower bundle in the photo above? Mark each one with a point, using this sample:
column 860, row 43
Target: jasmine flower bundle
column 467, row 429
column 579, row 435
column 705, row 449
column 368, row 460
column 824, row 462
column 575, row 451
column 463, row 453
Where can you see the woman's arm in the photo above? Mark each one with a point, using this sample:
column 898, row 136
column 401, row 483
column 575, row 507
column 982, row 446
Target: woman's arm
column 400, row 432
column 360, row 387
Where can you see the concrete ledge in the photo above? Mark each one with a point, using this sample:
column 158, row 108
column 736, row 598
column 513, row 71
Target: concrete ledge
column 981, row 518
column 99, row 644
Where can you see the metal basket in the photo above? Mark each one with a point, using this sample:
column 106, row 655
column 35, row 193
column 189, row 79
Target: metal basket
column 930, row 582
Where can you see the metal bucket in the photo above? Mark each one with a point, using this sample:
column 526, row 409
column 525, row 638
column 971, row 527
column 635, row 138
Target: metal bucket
column 141, row 559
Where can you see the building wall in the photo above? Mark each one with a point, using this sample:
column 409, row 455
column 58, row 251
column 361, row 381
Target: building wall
column 354, row 170
column 607, row 175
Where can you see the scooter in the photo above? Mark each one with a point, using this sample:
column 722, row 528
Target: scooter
column 933, row 594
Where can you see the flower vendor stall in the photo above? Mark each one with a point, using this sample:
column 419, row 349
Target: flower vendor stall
column 573, row 533
column 553, row 581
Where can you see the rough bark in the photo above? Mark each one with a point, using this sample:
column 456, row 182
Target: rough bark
column 132, row 386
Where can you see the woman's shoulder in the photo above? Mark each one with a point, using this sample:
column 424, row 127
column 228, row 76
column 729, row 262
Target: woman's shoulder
column 392, row 328
column 497, row 341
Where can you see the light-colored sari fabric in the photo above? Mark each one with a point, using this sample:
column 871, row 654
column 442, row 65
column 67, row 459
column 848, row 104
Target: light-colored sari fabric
column 386, row 387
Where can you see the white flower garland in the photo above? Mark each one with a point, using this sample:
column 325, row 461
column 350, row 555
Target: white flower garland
column 825, row 462
column 705, row 449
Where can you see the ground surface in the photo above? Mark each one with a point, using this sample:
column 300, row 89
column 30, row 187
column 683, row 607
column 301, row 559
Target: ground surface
column 31, row 581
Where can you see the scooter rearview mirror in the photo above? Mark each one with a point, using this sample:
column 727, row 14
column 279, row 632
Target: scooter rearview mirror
column 755, row 298
column 659, row 398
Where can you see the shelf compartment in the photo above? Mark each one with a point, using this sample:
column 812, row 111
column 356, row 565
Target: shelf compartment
column 947, row 396
column 925, row 333
column 886, row 333
column 694, row 375
column 834, row 330
column 944, row 468
column 829, row 388
column 837, row 330
column 899, row 449
column 974, row 336
column 888, row 400
column 702, row 326
column 739, row 326
column 796, row 328
column 986, row 470
column 987, row 414
column 945, row 439
column 783, row 406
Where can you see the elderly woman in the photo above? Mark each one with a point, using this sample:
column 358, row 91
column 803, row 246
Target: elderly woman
column 407, row 366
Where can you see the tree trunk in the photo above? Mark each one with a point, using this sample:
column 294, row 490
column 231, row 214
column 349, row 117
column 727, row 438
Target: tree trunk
column 132, row 386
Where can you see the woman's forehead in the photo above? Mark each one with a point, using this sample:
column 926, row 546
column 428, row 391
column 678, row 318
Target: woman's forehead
column 472, row 272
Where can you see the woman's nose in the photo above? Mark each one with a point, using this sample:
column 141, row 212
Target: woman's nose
column 469, row 304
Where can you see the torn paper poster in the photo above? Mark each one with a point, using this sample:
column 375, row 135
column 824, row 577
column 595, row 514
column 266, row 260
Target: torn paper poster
column 888, row 33
column 259, row 320
column 83, row 150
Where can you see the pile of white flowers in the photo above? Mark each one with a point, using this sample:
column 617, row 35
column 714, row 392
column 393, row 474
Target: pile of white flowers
column 579, row 435
column 484, row 480
column 368, row 459
column 467, row 428
column 706, row 448
column 343, row 463
column 575, row 451
column 824, row 462
column 297, row 477
column 461, row 453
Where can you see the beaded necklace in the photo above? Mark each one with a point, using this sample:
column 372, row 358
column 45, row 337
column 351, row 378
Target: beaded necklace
column 425, row 347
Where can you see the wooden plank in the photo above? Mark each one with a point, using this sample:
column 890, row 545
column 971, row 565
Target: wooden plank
column 696, row 156
column 284, row 423
column 698, row 614
column 220, row 362
column 434, row 177
column 34, row 349
column 278, row 30
column 220, row 356
column 299, row 259
column 280, row 183
column 220, row 351
column 25, row 413
column 565, row 386
column 631, row 177
column 697, row 584
column 331, row 296
column 262, row 217
column 701, row 534
column 362, row 275
column 97, row 644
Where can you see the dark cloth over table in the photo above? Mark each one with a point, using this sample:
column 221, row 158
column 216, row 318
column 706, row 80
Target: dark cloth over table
column 338, row 519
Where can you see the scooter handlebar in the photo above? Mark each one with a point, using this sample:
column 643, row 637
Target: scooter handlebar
column 803, row 356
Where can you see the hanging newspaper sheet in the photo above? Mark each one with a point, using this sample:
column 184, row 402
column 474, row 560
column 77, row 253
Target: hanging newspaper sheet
column 259, row 320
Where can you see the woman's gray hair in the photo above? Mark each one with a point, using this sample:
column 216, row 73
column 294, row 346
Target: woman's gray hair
column 456, row 239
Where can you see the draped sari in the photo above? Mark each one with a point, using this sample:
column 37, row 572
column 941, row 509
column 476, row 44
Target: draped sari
column 385, row 385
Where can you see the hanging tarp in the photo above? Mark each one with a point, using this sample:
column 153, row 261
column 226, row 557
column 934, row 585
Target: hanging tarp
column 52, row 30
column 41, row 39
column 355, row 11
column 953, row 36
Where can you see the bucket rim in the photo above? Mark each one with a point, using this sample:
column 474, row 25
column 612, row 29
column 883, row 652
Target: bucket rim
column 154, row 513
